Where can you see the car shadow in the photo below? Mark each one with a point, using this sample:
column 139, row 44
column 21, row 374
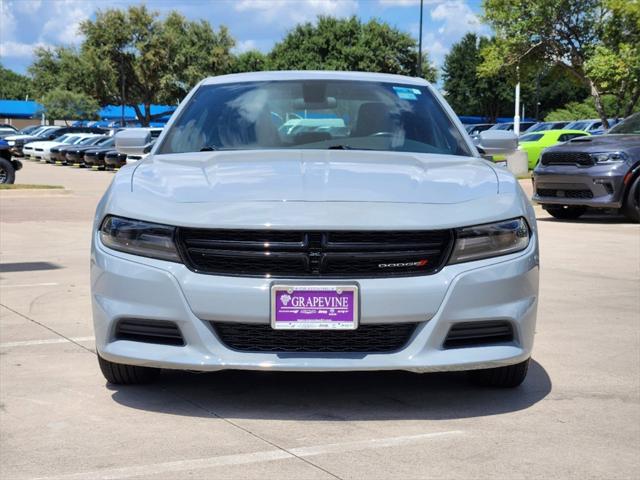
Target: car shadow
column 28, row 266
column 590, row 218
column 345, row 396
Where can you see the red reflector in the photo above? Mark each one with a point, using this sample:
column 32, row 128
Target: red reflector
column 627, row 177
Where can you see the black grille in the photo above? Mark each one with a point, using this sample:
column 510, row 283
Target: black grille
column 471, row 334
column 365, row 339
column 551, row 192
column 314, row 254
column 149, row 331
column 564, row 158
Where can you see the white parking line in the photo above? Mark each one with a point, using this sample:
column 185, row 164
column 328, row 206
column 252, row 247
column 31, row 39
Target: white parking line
column 27, row 343
column 47, row 284
column 246, row 458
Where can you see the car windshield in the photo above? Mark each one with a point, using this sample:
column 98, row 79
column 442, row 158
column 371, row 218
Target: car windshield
column 531, row 137
column 630, row 125
column 579, row 125
column 314, row 114
column 61, row 139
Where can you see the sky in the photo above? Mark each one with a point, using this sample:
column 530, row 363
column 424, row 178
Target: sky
column 255, row 24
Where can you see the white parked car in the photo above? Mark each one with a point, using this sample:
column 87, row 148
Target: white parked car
column 42, row 131
column 383, row 241
column 42, row 150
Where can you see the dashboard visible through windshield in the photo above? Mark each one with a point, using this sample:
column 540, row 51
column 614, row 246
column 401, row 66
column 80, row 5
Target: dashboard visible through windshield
column 314, row 114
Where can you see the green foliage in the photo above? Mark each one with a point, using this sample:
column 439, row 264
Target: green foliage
column 596, row 41
column 349, row 44
column 250, row 61
column 160, row 60
column 585, row 109
column 489, row 96
column 63, row 104
column 14, row 86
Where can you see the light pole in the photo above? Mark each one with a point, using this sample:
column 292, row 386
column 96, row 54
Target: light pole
column 516, row 117
column 420, row 43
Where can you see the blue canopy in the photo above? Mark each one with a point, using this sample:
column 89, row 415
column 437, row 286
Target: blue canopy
column 30, row 109
column 18, row 109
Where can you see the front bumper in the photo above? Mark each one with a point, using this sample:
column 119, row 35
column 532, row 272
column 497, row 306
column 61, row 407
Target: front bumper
column 599, row 186
column 126, row 286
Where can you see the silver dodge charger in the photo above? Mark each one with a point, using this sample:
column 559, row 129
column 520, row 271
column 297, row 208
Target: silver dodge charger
column 314, row 221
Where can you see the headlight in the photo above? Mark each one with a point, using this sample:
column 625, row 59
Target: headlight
column 490, row 240
column 609, row 157
column 11, row 142
column 139, row 238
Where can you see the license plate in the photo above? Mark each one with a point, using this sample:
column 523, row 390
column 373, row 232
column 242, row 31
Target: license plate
column 315, row 307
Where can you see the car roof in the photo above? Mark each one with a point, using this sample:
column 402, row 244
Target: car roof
column 313, row 75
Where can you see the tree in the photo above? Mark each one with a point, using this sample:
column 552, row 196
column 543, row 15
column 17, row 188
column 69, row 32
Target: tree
column 579, row 36
column 584, row 109
column 250, row 61
column 14, row 86
column 349, row 44
column 160, row 61
column 469, row 94
column 66, row 105
column 57, row 68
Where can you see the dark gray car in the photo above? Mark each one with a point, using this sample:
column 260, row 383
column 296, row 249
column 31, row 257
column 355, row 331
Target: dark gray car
column 599, row 172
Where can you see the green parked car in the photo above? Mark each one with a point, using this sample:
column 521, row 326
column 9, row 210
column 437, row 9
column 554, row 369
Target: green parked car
column 534, row 143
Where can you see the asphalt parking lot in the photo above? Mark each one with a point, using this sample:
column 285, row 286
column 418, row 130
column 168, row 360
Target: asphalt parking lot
column 576, row 416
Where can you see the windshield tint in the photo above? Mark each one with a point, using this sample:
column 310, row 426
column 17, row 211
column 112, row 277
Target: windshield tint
column 531, row 137
column 314, row 114
column 630, row 125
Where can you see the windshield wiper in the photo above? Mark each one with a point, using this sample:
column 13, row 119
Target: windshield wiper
column 340, row 147
column 209, row 148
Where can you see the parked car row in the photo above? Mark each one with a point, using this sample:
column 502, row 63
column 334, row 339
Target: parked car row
column 592, row 126
column 77, row 146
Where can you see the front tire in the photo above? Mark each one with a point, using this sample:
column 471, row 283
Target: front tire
column 121, row 374
column 632, row 202
column 7, row 171
column 566, row 212
column 510, row 376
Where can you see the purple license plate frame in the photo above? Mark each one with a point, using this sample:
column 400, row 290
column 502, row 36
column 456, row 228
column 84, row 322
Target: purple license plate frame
column 314, row 307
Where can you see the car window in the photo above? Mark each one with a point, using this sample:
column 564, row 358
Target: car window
column 630, row 125
column 531, row 137
column 314, row 114
column 596, row 126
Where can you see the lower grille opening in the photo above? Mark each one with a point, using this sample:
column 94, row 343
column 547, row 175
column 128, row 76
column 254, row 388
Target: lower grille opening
column 149, row 331
column 381, row 338
column 551, row 192
column 471, row 334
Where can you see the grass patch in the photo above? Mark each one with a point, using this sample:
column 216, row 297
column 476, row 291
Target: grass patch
column 27, row 186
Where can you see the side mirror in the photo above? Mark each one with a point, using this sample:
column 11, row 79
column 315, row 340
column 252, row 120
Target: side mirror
column 496, row 142
column 133, row 141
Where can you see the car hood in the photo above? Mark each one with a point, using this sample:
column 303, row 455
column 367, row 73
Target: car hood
column 601, row 143
column 43, row 144
column 315, row 176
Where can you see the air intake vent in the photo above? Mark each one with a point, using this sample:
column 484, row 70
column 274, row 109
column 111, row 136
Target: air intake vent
column 472, row 334
column 149, row 331
column 388, row 337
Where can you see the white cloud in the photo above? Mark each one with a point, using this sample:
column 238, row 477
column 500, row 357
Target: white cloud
column 457, row 18
column 291, row 12
column 64, row 20
column 407, row 3
column 245, row 45
column 27, row 6
column 19, row 50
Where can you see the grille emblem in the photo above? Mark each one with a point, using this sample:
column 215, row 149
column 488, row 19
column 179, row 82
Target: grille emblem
column 419, row 263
